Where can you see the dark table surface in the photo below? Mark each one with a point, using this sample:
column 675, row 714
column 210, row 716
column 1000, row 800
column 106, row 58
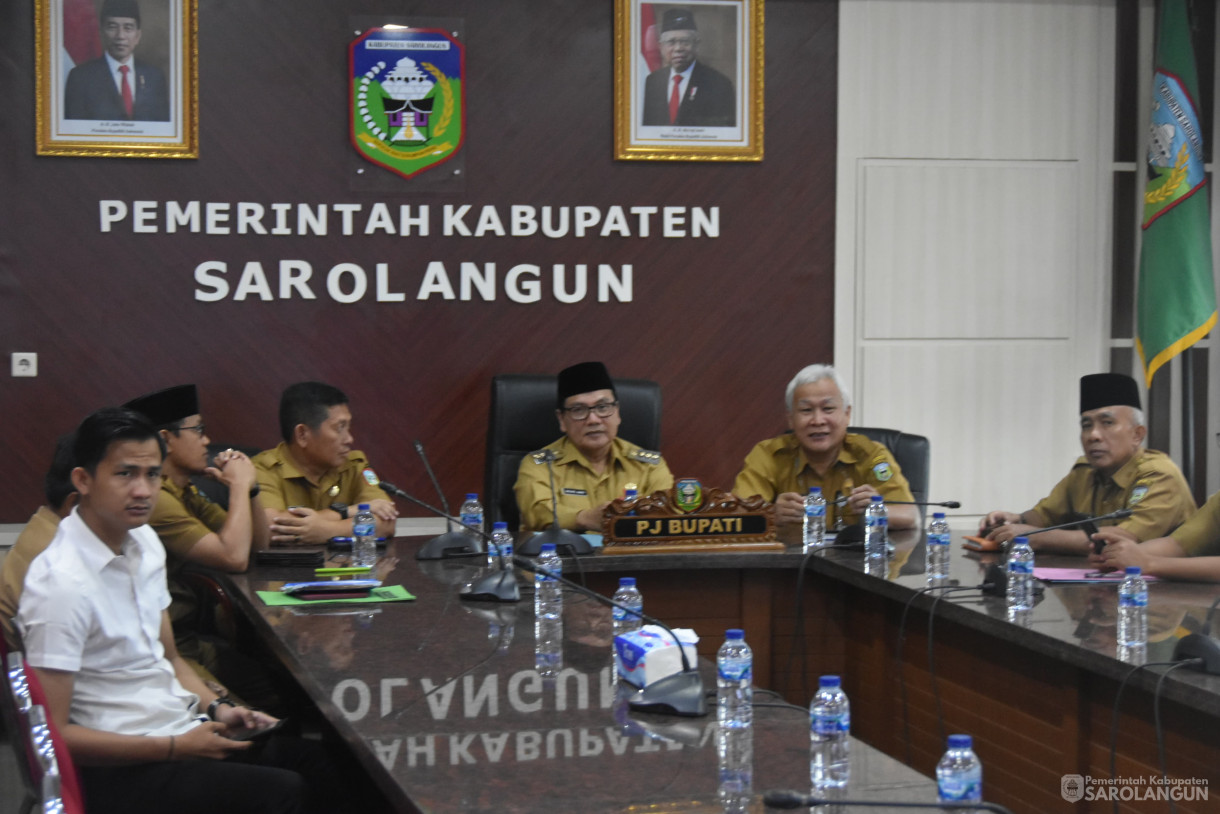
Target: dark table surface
column 442, row 702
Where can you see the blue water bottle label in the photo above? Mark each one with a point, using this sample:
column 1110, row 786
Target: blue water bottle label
column 735, row 671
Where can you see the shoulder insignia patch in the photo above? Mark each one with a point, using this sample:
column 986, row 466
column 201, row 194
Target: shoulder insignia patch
column 543, row 455
column 370, row 477
column 1137, row 494
column 883, row 471
column 645, row 456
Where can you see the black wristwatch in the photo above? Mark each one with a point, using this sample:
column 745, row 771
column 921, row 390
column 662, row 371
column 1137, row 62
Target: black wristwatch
column 254, row 490
column 340, row 508
column 212, row 707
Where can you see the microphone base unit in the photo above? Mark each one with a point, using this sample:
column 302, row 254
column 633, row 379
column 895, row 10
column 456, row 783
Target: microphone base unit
column 498, row 586
column 1199, row 646
column 451, row 544
column 678, row 694
column 566, row 542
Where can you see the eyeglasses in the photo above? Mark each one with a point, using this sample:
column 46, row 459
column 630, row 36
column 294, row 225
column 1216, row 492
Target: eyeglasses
column 579, row 412
column 688, row 42
column 198, row 429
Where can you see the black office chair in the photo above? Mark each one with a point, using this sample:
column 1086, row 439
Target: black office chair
column 522, row 419
column 912, row 452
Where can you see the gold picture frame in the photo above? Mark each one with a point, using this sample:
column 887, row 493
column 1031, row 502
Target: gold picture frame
column 717, row 114
column 82, row 106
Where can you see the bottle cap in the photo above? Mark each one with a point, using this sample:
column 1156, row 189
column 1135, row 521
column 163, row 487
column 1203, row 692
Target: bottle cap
column 363, row 507
column 546, row 547
column 472, row 495
column 1133, row 570
column 829, row 681
column 961, row 742
column 626, row 582
column 500, row 525
column 877, row 498
column 938, row 515
column 815, row 490
column 734, row 633
column 1020, row 541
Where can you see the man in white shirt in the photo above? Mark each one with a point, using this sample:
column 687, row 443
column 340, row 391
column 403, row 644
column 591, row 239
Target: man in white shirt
column 148, row 735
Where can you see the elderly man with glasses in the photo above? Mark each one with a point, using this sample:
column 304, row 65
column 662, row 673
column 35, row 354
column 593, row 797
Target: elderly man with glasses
column 592, row 464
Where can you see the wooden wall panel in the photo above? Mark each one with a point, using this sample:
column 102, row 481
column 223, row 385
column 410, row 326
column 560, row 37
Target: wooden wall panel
column 721, row 323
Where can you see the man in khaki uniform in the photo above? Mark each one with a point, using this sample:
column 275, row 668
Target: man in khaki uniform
column 1191, row 552
column 313, row 480
column 819, row 451
column 196, row 531
column 1114, row 473
column 592, row 464
column 37, row 535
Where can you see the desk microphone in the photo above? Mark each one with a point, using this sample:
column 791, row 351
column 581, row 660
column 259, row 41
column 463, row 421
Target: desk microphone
column 996, row 576
column 498, row 586
column 796, row 799
column 855, row 532
column 563, row 539
column 680, row 693
column 1201, row 645
column 459, row 543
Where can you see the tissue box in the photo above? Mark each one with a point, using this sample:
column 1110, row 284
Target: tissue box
column 649, row 654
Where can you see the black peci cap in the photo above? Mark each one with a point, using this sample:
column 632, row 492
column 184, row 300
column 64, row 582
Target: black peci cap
column 167, row 406
column 582, row 378
column 1106, row 390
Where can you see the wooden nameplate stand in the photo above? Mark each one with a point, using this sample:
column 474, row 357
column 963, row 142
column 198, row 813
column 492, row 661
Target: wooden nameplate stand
column 721, row 522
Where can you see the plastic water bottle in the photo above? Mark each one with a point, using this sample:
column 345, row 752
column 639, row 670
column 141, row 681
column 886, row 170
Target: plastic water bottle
column 734, row 677
column 735, row 754
column 876, row 529
column 1133, row 617
column 959, row 775
column 829, row 735
column 364, row 537
column 1021, row 575
column 630, row 495
column 938, row 547
column 548, row 593
column 629, row 595
column 500, row 547
column 548, row 647
column 813, row 529
column 471, row 514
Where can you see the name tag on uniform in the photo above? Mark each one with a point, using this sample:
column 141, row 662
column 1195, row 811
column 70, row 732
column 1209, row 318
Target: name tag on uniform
column 567, row 490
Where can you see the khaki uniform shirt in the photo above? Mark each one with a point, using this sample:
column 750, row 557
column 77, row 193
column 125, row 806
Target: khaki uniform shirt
column 779, row 465
column 33, row 540
column 1200, row 535
column 578, row 487
column 182, row 517
column 283, row 485
column 1150, row 484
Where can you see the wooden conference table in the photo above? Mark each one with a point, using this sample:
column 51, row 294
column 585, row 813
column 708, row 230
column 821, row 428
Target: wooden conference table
column 440, row 699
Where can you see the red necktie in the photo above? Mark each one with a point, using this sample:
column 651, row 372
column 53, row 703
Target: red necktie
column 675, row 99
column 123, row 69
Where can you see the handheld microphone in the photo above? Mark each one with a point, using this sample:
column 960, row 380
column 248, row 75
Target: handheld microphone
column 680, row 693
column 563, row 539
column 498, row 586
column 453, row 543
column 795, row 799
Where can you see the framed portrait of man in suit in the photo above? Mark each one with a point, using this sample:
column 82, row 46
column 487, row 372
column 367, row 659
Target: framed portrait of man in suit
column 688, row 80
column 116, row 78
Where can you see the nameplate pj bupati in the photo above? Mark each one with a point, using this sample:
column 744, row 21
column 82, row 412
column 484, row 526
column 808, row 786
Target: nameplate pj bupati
column 688, row 518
